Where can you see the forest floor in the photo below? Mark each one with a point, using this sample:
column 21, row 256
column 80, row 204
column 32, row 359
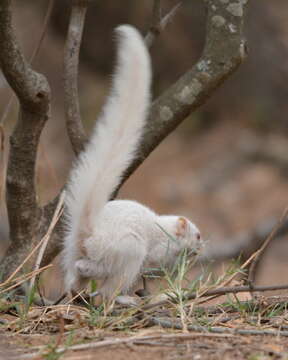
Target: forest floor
column 228, row 180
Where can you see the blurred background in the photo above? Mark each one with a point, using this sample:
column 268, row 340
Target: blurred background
column 226, row 166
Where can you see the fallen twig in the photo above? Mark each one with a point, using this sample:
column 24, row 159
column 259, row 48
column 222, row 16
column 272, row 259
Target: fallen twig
column 167, row 324
column 25, row 278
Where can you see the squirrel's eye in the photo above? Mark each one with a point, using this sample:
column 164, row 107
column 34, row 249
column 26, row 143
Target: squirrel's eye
column 198, row 236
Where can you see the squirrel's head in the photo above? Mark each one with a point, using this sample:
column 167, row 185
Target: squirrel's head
column 182, row 233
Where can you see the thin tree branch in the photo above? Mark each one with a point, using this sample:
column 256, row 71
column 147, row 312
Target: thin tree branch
column 32, row 58
column 158, row 23
column 30, row 87
column 156, row 12
column 55, row 218
column 33, row 92
column 254, row 264
column 74, row 123
column 244, row 244
column 43, row 31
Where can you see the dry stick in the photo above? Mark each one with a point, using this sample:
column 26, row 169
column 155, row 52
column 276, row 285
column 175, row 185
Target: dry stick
column 46, row 237
column 23, row 262
column 156, row 16
column 227, row 281
column 248, row 261
column 217, row 330
column 159, row 23
column 32, row 58
column 17, row 279
column 236, row 289
column 74, row 123
column 253, row 256
column 26, row 278
column 260, row 251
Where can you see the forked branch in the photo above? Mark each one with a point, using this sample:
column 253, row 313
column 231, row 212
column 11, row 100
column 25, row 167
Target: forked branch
column 74, row 123
column 224, row 51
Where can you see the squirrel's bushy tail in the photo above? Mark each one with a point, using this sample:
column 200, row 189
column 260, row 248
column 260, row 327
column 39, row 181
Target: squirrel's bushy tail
column 113, row 143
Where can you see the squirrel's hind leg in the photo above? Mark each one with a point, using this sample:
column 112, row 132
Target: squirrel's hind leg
column 123, row 276
column 87, row 268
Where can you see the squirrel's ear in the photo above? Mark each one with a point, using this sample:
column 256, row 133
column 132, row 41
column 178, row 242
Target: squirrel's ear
column 181, row 226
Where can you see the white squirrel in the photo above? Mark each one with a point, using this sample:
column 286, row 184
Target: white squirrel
column 107, row 240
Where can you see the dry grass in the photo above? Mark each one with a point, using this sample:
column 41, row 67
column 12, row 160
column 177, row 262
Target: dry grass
column 57, row 330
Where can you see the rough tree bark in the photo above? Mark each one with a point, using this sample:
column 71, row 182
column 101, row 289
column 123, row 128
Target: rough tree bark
column 223, row 53
column 33, row 93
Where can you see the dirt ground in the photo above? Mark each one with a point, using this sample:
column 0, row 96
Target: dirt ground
column 197, row 346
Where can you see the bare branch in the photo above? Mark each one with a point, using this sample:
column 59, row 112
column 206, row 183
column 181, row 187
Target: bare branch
column 30, row 87
column 43, row 31
column 74, row 123
column 223, row 53
column 156, row 12
column 158, row 23
column 55, row 218
column 32, row 58
column 244, row 244
column 33, row 92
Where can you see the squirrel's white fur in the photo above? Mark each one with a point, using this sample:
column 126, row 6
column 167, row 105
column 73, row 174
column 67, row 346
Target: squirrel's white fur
column 112, row 240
